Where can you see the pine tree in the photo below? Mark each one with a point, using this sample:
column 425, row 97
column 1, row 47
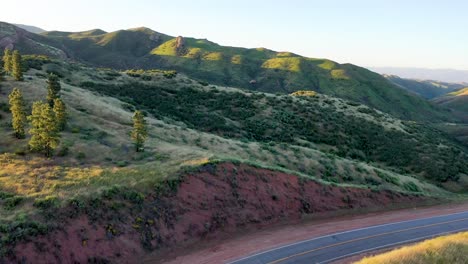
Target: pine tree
column 16, row 69
column 18, row 112
column 44, row 132
column 7, row 61
column 140, row 132
column 60, row 111
column 53, row 88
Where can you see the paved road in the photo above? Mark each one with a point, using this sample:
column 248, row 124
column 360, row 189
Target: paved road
column 332, row 247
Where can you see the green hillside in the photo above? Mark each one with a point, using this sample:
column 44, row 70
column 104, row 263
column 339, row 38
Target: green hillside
column 344, row 128
column 457, row 102
column 254, row 69
column 426, row 88
column 13, row 36
column 98, row 189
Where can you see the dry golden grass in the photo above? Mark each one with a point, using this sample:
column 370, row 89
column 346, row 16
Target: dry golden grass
column 445, row 249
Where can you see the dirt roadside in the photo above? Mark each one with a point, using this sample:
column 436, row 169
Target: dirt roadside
column 221, row 250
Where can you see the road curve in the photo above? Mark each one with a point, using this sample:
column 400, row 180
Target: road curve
column 329, row 248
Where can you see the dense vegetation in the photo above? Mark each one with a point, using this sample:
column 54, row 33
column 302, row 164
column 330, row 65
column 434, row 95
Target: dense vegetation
column 255, row 69
column 81, row 119
column 297, row 120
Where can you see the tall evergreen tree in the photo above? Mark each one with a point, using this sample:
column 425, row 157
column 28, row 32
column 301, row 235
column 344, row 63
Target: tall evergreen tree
column 16, row 69
column 45, row 136
column 53, row 88
column 60, row 112
column 18, row 112
column 140, row 131
column 7, row 60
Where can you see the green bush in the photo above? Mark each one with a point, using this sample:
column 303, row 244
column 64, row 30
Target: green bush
column 133, row 196
column 12, row 202
column 122, row 163
column 411, row 187
column 388, row 178
column 63, row 151
column 4, row 195
column 46, row 203
column 81, row 155
column 4, row 107
column 241, row 116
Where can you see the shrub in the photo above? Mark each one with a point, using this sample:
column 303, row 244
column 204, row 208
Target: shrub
column 411, row 187
column 388, row 178
column 146, row 78
column 63, row 151
column 4, row 195
column 77, row 203
column 4, row 107
column 46, row 203
column 122, row 163
column 372, row 181
column 81, row 155
column 134, row 196
column 12, row 202
column 203, row 83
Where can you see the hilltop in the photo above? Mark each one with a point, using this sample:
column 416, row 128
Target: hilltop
column 440, row 75
column 31, row 29
column 253, row 69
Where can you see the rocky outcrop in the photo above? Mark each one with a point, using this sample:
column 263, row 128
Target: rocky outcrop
column 180, row 42
column 181, row 49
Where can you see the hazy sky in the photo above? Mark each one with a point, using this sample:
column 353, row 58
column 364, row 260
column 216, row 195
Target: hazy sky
column 409, row 33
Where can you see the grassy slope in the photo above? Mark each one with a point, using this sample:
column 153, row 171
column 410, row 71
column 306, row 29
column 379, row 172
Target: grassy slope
column 96, row 155
column 255, row 69
column 344, row 128
column 457, row 103
column 427, row 89
column 457, row 100
column 100, row 124
column 446, row 249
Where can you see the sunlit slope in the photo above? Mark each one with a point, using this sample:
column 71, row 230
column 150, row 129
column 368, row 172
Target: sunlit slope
column 254, row 69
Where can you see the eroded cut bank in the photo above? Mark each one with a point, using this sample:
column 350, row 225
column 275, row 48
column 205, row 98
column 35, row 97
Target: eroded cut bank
column 217, row 198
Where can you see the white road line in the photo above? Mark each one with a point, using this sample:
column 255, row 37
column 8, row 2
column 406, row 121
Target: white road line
column 393, row 244
column 340, row 233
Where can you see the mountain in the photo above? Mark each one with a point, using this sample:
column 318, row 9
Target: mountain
column 443, row 75
column 217, row 160
column 254, row 69
column 456, row 101
column 31, row 29
column 426, row 88
column 14, row 37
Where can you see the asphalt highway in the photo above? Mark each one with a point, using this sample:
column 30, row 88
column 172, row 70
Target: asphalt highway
column 329, row 248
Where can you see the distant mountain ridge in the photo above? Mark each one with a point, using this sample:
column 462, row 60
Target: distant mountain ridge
column 254, row 69
column 426, row 88
column 443, row 75
column 31, row 29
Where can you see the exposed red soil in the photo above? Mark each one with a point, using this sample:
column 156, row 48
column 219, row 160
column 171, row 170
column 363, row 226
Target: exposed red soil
column 216, row 201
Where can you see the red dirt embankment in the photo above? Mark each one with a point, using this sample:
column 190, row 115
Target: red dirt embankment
column 216, row 200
